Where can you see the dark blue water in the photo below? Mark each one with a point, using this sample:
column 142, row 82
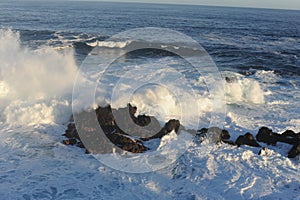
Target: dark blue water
column 238, row 39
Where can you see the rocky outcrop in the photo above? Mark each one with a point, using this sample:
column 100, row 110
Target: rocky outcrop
column 169, row 127
column 267, row 136
column 119, row 127
column 247, row 139
column 106, row 130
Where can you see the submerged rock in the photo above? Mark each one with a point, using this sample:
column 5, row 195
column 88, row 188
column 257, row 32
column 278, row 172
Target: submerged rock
column 215, row 134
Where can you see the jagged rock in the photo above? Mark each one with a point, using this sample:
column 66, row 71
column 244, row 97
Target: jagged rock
column 224, row 135
column 121, row 128
column 71, row 132
column 126, row 143
column 105, row 116
column 171, row 125
column 247, row 139
column 266, row 135
column 118, row 127
column 142, row 120
column 289, row 133
column 141, row 126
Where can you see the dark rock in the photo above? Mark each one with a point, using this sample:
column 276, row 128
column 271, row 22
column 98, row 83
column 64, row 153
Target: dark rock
column 216, row 134
column 120, row 129
column 295, row 150
column 71, row 132
column 112, row 135
column 289, row 133
column 261, row 151
column 266, row 135
column 224, row 135
column 247, row 139
column 126, row 143
column 202, row 131
column 105, row 116
column 118, row 126
column 229, row 79
column 171, row 125
column 142, row 120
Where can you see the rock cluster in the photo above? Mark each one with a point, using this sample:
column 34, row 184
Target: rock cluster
column 117, row 133
column 267, row 136
column 121, row 128
column 264, row 135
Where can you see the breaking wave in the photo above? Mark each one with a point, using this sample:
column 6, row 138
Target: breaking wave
column 33, row 82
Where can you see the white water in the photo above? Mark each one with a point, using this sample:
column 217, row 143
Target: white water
column 35, row 100
column 109, row 44
column 35, row 85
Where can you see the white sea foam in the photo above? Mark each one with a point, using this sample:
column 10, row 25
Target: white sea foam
column 246, row 91
column 110, row 44
column 242, row 90
column 34, row 162
column 30, row 77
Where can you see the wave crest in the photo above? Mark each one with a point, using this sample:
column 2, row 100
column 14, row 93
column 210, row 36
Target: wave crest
column 29, row 76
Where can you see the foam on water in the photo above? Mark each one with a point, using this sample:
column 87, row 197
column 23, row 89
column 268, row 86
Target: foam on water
column 33, row 82
column 36, row 91
column 36, row 87
column 242, row 89
column 109, row 44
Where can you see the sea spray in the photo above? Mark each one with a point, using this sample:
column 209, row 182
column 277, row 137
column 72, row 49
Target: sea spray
column 34, row 82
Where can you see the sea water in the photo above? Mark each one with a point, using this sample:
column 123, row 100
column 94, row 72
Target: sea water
column 42, row 46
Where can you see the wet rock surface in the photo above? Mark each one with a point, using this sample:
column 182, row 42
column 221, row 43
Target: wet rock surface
column 247, row 139
column 108, row 130
column 104, row 129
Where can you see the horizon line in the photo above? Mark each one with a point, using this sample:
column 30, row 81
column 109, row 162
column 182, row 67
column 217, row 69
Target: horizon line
column 160, row 3
column 179, row 3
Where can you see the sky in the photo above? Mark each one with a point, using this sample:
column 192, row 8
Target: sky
column 278, row 4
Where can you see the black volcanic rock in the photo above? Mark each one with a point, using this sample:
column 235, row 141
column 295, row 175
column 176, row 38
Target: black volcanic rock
column 171, row 125
column 266, row 135
column 107, row 130
column 289, row 133
column 247, row 139
column 118, row 128
column 224, row 135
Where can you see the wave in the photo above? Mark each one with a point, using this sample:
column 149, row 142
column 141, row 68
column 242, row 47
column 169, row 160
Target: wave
column 109, row 44
column 33, row 82
column 241, row 89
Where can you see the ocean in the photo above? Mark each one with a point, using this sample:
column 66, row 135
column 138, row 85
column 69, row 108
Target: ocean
column 43, row 46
